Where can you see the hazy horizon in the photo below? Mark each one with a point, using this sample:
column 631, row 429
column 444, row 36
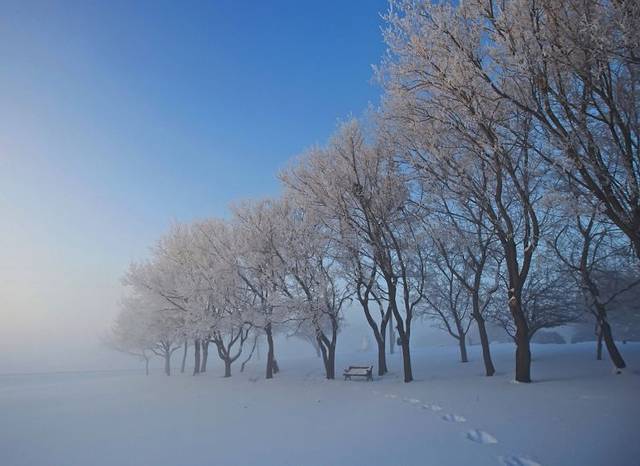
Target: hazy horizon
column 121, row 118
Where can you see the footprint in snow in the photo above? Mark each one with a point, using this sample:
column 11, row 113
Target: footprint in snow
column 480, row 436
column 432, row 407
column 411, row 400
column 454, row 418
column 517, row 461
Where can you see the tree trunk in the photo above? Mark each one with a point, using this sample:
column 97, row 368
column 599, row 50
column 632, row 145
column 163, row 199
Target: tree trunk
column 486, row 351
column 184, row 358
column 599, row 343
column 378, row 335
column 523, row 357
column 463, row 348
column 523, row 351
column 205, row 356
column 614, row 354
column 382, row 358
column 196, row 356
column 270, row 352
column 462, row 343
column 328, row 359
column 406, row 359
column 330, row 363
column 392, row 337
column 167, row 362
column 227, row 367
column 146, row 366
column 403, row 328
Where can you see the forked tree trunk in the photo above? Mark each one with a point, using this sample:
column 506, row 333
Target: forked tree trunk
column 462, row 343
column 328, row 359
column 184, row 358
column 378, row 335
column 227, row 367
column 404, row 336
column 196, row 356
column 205, row 356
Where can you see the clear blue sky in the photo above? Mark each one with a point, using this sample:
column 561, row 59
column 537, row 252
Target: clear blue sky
column 118, row 116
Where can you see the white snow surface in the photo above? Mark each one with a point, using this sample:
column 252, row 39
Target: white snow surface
column 575, row 413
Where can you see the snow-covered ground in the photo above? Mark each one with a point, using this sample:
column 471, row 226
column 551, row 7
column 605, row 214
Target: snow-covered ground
column 576, row 413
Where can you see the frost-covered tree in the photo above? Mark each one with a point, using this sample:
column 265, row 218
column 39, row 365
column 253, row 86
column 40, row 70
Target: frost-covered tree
column 364, row 197
column 310, row 279
column 592, row 250
column 572, row 67
column 130, row 333
column 448, row 120
column 259, row 269
column 448, row 302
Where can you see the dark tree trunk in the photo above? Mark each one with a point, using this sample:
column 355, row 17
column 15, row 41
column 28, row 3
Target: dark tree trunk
column 328, row 359
column 382, row 358
column 523, row 351
column 486, row 351
column 146, row 366
column 614, row 354
column 379, row 332
column 184, row 358
column 523, row 357
column 406, row 359
column 196, row 356
column 332, row 363
column 167, row 362
column 227, row 367
column 403, row 336
column 270, row 351
column 599, row 343
column 463, row 349
column 462, row 343
column 392, row 337
column 205, row 356
column 404, row 330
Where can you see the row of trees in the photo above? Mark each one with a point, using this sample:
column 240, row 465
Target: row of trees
column 499, row 181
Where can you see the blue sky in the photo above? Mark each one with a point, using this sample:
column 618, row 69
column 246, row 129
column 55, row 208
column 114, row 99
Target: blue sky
column 120, row 116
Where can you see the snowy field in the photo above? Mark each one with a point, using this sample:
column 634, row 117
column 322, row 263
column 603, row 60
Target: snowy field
column 576, row 413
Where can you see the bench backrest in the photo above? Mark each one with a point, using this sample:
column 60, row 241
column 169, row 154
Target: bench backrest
column 359, row 370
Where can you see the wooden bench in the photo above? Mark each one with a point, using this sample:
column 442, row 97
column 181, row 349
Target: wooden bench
column 358, row 371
